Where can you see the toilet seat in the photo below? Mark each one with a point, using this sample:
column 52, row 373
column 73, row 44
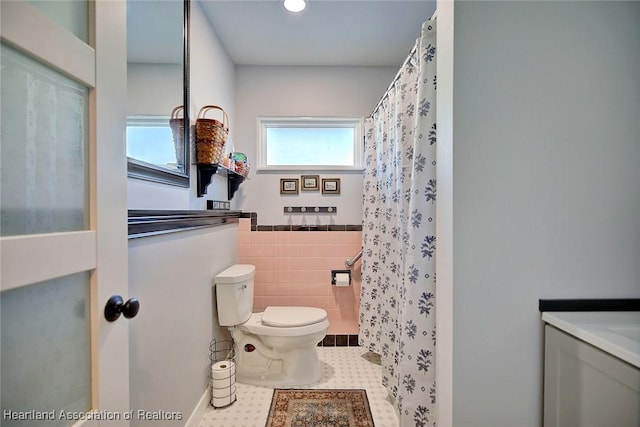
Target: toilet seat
column 286, row 316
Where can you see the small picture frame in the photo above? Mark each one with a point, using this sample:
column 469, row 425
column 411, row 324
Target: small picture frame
column 330, row 185
column 310, row 182
column 288, row 185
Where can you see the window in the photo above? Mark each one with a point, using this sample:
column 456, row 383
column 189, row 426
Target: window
column 149, row 139
column 309, row 143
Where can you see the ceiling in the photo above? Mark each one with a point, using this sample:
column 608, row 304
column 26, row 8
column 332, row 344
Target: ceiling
column 326, row 33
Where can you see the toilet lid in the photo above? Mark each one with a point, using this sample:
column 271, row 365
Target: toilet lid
column 292, row 316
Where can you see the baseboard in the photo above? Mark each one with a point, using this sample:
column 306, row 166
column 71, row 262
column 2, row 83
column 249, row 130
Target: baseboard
column 198, row 411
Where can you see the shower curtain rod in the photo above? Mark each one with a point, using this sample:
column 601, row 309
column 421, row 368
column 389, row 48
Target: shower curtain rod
column 393, row 81
column 407, row 59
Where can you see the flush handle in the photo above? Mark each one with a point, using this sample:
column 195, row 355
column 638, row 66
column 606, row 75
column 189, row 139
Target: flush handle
column 116, row 306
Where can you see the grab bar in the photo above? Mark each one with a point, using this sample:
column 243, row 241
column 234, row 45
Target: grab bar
column 349, row 262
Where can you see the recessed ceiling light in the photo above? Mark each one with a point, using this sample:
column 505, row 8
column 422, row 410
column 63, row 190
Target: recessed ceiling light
column 295, row 6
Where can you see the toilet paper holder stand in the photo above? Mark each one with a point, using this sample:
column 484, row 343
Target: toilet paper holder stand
column 219, row 351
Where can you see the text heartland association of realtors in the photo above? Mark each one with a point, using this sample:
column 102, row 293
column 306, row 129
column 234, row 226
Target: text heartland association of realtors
column 52, row 415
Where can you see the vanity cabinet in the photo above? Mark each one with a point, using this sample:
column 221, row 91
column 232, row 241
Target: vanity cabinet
column 587, row 387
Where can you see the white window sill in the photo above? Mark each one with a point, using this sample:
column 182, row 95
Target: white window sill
column 310, row 168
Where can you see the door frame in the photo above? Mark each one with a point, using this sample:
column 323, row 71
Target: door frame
column 108, row 163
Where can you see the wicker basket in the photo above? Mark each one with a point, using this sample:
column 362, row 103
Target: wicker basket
column 177, row 129
column 211, row 135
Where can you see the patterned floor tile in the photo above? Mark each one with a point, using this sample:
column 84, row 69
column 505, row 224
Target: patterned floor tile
column 343, row 367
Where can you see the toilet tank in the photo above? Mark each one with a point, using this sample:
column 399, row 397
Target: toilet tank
column 234, row 294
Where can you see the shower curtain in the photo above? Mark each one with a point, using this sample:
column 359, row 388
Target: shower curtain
column 397, row 304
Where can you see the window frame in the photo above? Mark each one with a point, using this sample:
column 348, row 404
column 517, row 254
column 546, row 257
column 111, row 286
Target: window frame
column 355, row 123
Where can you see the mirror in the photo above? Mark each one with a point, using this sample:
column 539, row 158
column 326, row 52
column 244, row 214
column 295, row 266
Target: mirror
column 158, row 87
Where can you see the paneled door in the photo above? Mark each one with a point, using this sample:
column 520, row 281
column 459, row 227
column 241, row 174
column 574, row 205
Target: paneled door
column 63, row 222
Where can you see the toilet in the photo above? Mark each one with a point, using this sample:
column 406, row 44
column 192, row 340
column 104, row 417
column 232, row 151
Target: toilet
column 276, row 347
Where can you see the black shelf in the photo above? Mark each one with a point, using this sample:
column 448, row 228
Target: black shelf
column 206, row 172
column 144, row 223
column 233, row 183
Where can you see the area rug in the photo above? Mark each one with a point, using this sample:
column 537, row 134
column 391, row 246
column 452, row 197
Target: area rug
column 319, row 408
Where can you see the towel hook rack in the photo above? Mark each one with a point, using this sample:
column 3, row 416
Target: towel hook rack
column 310, row 209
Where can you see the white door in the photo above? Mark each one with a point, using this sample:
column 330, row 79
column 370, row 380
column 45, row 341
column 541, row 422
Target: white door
column 63, row 229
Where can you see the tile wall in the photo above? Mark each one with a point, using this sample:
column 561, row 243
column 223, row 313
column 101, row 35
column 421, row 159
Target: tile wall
column 294, row 268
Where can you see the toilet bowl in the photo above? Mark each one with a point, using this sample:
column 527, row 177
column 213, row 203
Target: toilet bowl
column 276, row 347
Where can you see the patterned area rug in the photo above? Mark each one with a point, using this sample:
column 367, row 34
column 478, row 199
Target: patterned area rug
column 319, row 408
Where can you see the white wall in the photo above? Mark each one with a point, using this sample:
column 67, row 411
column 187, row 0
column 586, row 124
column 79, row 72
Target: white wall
column 546, row 186
column 212, row 82
column 173, row 276
column 302, row 91
column 154, row 89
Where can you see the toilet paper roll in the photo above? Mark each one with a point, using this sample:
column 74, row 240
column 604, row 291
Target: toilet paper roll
column 219, row 402
column 342, row 279
column 222, row 388
column 222, row 391
column 223, row 370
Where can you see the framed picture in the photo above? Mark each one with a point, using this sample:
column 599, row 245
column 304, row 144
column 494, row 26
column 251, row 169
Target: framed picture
column 310, row 182
column 330, row 185
column 288, row 185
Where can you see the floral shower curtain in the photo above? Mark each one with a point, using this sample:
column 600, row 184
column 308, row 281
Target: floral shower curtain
column 397, row 304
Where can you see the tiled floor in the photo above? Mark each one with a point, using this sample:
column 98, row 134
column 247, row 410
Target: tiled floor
column 343, row 367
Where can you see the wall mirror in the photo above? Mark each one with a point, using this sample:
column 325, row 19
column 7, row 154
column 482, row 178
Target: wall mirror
column 158, row 87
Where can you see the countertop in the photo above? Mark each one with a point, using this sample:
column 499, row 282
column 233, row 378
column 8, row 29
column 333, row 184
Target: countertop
column 615, row 332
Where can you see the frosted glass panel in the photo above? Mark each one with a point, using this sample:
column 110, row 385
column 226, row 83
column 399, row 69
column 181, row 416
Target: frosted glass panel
column 43, row 142
column 45, row 351
column 70, row 14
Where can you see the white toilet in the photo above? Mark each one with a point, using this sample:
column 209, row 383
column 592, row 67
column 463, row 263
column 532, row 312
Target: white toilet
column 276, row 347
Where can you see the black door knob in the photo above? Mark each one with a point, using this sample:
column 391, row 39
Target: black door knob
column 116, row 306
